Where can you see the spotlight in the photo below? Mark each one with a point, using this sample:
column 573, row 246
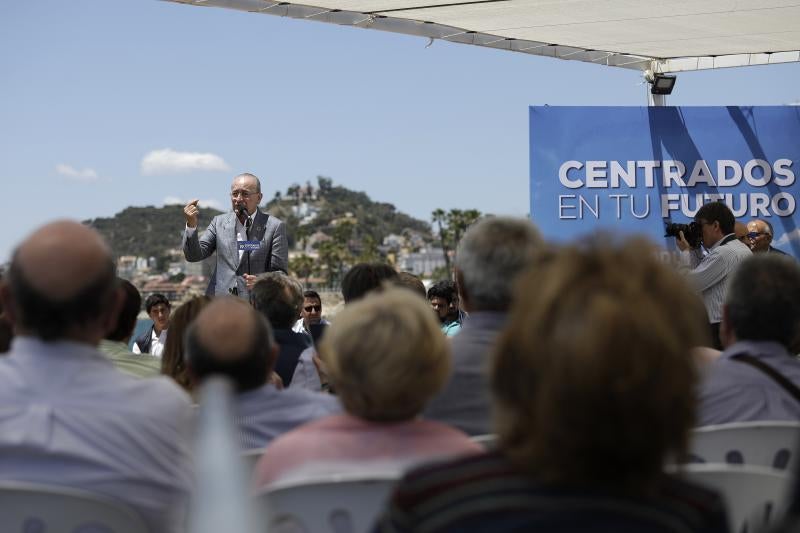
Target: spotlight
column 662, row 84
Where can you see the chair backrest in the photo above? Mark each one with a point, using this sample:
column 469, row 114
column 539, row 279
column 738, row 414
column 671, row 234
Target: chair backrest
column 251, row 457
column 771, row 444
column 28, row 507
column 755, row 496
column 220, row 500
column 488, row 441
column 333, row 503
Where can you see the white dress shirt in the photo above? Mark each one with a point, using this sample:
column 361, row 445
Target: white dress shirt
column 69, row 417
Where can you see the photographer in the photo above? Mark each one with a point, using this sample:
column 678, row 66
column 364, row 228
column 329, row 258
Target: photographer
column 709, row 274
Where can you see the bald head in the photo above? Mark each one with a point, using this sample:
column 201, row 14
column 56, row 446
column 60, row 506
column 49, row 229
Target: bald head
column 79, row 251
column 61, row 283
column 760, row 234
column 230, row 338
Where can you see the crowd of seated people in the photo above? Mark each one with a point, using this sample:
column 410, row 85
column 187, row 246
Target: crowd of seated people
column 580, row 358
column 385, row 357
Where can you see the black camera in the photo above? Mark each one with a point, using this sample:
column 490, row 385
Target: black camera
column 692, row 232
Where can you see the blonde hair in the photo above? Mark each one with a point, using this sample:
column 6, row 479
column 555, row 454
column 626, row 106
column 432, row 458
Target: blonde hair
column 386, row 356
column 593, row 377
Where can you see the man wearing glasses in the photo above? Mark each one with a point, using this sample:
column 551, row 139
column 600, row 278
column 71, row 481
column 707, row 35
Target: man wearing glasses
column 759, row 233
column 710, row 273
column 310, row 313
column 247, row 241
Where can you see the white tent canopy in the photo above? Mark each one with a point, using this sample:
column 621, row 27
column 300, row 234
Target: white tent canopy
column 659, row 35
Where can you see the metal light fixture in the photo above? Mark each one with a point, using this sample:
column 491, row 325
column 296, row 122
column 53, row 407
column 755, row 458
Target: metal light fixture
column 660, row 83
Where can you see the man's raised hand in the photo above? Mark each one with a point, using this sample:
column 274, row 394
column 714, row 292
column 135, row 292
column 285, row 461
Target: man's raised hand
column 191, row 212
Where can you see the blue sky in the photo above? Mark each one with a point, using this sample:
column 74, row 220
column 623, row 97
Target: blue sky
column 99, row 99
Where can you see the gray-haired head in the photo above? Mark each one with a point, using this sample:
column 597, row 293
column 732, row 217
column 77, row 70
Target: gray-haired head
column 491, row 254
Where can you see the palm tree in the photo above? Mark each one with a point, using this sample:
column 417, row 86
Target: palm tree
column 440, row 217
column 302, row 266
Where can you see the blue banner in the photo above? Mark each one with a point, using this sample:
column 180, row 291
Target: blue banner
column 631, row 169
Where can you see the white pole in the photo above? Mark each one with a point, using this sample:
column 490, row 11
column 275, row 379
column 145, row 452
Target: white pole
column 655, row 100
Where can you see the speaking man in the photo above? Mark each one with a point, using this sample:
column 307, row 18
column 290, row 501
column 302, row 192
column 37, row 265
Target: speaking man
column 247, row 241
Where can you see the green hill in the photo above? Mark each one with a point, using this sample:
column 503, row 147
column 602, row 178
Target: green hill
column 373, row 220
column 147, row 231
column 152, row 231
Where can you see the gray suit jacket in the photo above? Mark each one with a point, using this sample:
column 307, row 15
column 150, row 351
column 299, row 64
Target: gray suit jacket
column 220, row 236
column 465, row 401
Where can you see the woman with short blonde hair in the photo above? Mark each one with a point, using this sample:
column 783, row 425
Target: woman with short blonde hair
column 386, row 357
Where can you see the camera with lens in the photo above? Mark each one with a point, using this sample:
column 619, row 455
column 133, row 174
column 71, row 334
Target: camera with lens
column 692, row 232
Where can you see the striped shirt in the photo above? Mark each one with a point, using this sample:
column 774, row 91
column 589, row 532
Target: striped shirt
column 266, row 412
column 485, row 494
column 710, row 275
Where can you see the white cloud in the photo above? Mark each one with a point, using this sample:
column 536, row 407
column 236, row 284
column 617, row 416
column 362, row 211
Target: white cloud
column 87, row 174
column 173, row 200
column 168, row 161
column 793, row 235
column 214, row 204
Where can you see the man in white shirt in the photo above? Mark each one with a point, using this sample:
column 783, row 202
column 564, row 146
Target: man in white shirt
column 68, row 416
column 154, row 339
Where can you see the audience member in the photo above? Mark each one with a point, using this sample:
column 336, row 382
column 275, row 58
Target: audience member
column 710, row 273
column 6, row 331
column 68, row 416
column 154, row 339
column 760, row 325
column 740, row 230
column 444, row 300
column 310, row 314
column 278, row 297
column 594, row 388
column 412, row 282
column 173, row 362
column 760, row 234
column 386, row 357
column 115, row 343
column 365, row 277
column 6, row 334
column 490, row 256
column 229, row 338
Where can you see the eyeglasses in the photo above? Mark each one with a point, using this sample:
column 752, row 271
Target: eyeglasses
column 755, row 234
column 310, row 308
column 242, row 193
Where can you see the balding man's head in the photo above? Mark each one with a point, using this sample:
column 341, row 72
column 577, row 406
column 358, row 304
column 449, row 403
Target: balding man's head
column 230, row 338
column 61, row 282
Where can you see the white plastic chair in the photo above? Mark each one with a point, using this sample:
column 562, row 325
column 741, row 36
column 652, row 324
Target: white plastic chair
column 37, row 507
column 488, row 441
column 755, row 496
column 251, row 457
column 342, row 503
column 771, row 444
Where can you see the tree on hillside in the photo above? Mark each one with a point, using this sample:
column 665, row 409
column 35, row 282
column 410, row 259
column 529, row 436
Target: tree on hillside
column 332, row 258
column 325, row 185
column 302, row 266
column 440, row 219
column 452, row 225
